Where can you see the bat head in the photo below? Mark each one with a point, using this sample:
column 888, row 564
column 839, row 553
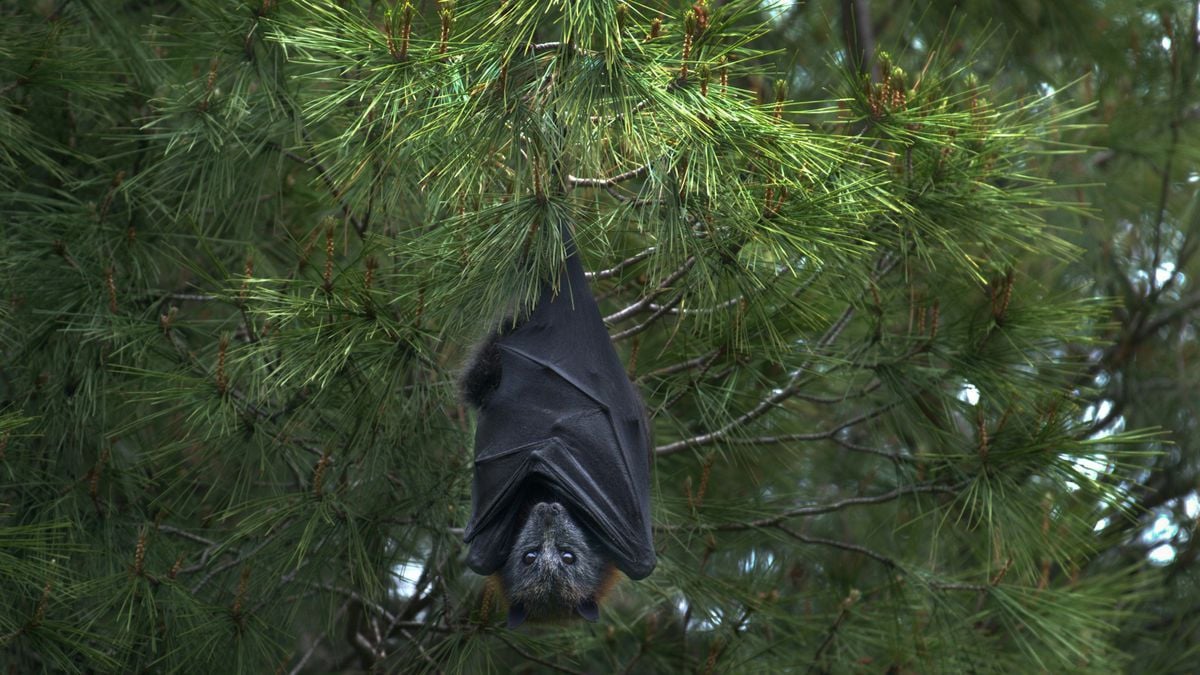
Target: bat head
column 554, row 569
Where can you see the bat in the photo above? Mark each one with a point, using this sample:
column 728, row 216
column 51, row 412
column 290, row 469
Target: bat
column 561, row 492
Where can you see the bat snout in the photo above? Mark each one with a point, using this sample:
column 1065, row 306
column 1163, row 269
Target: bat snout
column 548, row 513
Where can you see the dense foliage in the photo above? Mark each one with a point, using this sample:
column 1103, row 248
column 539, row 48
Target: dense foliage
column 913, row 330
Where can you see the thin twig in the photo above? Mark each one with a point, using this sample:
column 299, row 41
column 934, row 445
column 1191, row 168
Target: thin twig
column 814, row 398
column 553, row 46
column 353, row 595
column 814, row 436
column 360, row 226
column 833, row 629
column 820, row 509
column 658, row 314
column 855, row 447
column 882, row 267
column 615, row 269
column 232, row 563
column 316, row 642
column 1163, row 197
column 189, row 297
column 608, row 182
column 659, row 290
column 169, row 529
column 700, row 361
column 420, row 650
column 632, row 201
column 834, row 543
column 725, row 304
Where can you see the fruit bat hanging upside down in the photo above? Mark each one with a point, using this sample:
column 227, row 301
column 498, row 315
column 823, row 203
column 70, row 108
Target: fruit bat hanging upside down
column 561, row 494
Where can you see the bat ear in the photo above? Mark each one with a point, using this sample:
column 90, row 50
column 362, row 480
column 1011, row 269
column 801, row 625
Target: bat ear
column 588, row 610
column 516, row 615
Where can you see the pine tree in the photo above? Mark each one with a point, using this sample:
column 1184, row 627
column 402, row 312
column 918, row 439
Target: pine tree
column 247, row 247
column 1133, row 66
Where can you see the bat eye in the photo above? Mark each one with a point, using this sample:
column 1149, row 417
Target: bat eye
column 568, row 558
column 529, row 557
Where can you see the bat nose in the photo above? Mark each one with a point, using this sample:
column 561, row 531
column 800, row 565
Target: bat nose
column 546, row 514
column 548, row 511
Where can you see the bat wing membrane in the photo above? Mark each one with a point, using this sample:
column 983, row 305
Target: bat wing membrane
column 564, row 417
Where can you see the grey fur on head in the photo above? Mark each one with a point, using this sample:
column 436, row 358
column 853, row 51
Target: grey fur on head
column 553, row 568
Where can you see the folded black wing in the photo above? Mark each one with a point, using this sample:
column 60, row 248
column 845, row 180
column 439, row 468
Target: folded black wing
column 563, row 418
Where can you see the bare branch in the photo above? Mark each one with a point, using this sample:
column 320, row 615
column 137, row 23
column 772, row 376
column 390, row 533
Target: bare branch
column 814, row 436
column 820, row 509
column 725, row 304
column 320, row 637
column 632, row 201
column 813, row 398
column 885, row 264
column 658, row 314
column 360, row 226
column 232, row 563
column 700, row 361
column 615, row 269
column 186, row 535
column 1163, row 197
column 353, row 595
column 831, row 632
column 609, row 182
column 845, row 546
column 1182, row 307
column 855, row 447
column 645, row 302
column 554, row 46
column 859, row 36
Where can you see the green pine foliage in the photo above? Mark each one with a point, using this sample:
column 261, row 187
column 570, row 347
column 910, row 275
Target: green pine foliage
column 247, row 246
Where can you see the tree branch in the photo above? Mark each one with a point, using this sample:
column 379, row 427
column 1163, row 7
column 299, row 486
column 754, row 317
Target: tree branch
column 360, row 226
column 858, row 35
column 885, row 264
column 820, row 509
column 814, row 436
column 658, row 314
column 608, row 182
column 615, row 269
column 700, row 361
column 843, row 545
column 645, row 302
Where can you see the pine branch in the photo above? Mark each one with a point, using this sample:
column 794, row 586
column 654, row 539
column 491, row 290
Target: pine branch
column 530, row 657
column 316, row 642
column 702, row 362
column 841, row 545
column 815, row 436
column 645, row 301
column 821, row 509
column 832, row 631
column 360, row 225
column 658, row 314
column 609, row 182
column 885, row 264
column 616, row 269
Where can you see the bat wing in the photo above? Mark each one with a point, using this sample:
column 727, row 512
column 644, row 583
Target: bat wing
column 563, row 418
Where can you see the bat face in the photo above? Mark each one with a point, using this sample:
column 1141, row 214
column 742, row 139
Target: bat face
column 553, row 568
